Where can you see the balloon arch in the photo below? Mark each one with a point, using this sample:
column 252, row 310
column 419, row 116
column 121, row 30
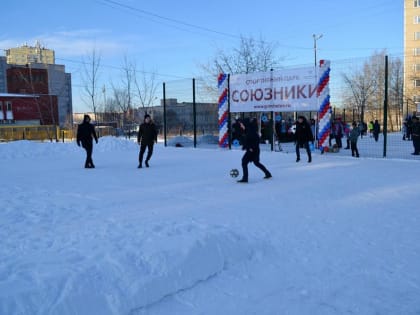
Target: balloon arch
column 321, row 94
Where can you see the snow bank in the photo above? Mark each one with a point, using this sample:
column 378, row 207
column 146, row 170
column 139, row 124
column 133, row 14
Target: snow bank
column 135, row 271
column 31, row 149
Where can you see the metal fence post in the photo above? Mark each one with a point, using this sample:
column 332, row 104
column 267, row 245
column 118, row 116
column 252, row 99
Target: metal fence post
column 194, row 114
column 164, row 114
column 385, row 131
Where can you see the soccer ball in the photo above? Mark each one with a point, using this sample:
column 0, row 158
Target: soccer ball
column 234, row 173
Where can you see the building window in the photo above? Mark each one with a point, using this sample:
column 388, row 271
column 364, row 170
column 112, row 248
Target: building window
column 417, row 19
column 417, row 50
column 416, row 35
column 416, row 98
column 417, row 83
column 9, row 105
column 416, row 3
column 416, row 67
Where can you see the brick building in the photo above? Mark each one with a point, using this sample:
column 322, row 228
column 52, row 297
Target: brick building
column 25, row 80
column 27, row 109
column 32, row 70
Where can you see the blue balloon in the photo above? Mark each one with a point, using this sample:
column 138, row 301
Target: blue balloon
column 264, row 118
column 278, row 117
column 235, row 142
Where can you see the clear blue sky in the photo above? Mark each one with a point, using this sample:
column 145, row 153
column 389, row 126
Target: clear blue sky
column 173, row 38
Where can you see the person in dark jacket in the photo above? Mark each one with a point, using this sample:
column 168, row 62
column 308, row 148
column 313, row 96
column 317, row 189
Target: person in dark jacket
column 354, row 135
column 146, row 138
column 302, row 137
column 251, row 145
column 409, row 127
column 85, row 135
column 415, row 135
column 236, row 131
column 376, row 130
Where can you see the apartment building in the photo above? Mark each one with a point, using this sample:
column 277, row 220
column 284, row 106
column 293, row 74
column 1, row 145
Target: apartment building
column 30, row 54
column 411, row 56
column 3, row 80
column 32, row 58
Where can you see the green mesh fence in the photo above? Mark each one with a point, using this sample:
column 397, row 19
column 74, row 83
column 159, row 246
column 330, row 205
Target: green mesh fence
column 357, row 89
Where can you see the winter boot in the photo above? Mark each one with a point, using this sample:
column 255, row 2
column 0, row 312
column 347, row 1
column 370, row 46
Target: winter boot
column 268, row 175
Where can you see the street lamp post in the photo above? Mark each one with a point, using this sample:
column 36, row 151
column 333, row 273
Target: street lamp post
column 316, row 37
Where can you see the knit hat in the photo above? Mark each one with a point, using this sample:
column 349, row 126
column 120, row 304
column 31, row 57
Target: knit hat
column 146, row 116
column 86, row 117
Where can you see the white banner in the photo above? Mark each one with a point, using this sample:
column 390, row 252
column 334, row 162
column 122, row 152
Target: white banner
column 279, row 91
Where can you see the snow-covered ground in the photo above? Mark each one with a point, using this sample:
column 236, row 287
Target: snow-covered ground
column 338, row 236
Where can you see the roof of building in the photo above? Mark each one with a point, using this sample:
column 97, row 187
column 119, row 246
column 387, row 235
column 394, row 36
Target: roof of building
column 17, row 95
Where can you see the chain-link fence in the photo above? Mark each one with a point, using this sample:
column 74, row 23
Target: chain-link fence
column 190, row 112
column 369, row 91
column 363, row 90
column 47, row 133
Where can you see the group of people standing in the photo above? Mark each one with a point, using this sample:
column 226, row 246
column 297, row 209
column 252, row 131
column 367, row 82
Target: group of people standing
column 340, row 129
column 352, row 134
column 374, row 129
column 411, row 131
column 250, row 140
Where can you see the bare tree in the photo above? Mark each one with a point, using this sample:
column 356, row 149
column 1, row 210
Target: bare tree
column 110, row 108
column 367, row 86
column 90, row 78
column 146, row 86
column 375, row 70
column 128, row 80
column 121, row 100
column 251, row 55
column 396, row 91
column 362, row 86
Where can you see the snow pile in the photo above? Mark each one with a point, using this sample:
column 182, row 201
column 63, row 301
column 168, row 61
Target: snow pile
column 31, row 149
column 129, row 274
column 109, row 144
